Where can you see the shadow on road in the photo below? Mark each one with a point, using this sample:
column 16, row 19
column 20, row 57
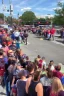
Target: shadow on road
column 57, row 36
column 60, row 41
column 1, row 93
column 38, row 37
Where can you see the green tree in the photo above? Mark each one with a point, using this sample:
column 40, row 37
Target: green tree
column 41, row 21
column 59, row 17
column 15, row 21
column 9, row 20
column 28, row 17
column 49, row 20
column 2, row 16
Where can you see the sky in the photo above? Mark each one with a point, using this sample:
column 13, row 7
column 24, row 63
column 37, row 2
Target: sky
column 39, row 7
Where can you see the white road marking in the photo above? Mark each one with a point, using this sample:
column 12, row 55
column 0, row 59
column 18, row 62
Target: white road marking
column 58, row 43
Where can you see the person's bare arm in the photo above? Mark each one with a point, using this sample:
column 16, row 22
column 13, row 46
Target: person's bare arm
column 13, row 81
column 39, row 89
column 28, row 84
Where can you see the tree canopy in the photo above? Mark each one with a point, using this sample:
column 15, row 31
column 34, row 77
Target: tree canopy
column 28, row 17
column 40, row 21
column 1, row 16
column 59, row 17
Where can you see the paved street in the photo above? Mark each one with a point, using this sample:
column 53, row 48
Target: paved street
column 52, row 50
column 2, row 91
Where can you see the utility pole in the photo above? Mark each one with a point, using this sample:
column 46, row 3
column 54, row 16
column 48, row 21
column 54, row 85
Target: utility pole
column 3, row 8
column 2, row 1
column 11, row 10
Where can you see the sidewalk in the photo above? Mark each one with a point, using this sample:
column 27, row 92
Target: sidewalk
column 58, row 39
column 2, row 91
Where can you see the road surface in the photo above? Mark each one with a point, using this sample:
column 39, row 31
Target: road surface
column 51, row 50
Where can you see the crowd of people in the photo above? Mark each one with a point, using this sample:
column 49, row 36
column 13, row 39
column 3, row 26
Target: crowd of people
column 47, row 32
column 22, row 77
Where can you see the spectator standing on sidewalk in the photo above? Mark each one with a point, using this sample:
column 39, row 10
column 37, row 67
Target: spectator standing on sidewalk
column 57, row 88
column 35, row 88
column 21, row 83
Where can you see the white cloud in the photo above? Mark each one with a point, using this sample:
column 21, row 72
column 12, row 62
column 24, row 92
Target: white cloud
column 62, row 1
column 45, row 9
column 57, row 8
column 48, row 9
column 22, row 3
column 44, row 16
column 38, row 3
column 17, row 6
column 26, row 9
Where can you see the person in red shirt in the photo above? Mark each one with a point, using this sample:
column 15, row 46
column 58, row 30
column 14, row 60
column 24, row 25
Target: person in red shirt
column 40, row 63
column 52, row 32
column 57, row 73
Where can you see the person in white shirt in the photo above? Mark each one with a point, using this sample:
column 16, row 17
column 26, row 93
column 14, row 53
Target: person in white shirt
column 0, row 46
column 16, row 34
column 43, row 62
column 51, row 65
